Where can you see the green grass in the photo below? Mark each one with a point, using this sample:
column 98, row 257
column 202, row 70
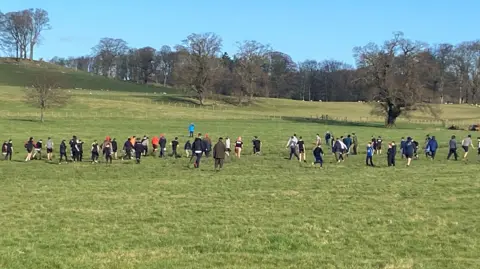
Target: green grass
column 259, row 212
column 20, row 74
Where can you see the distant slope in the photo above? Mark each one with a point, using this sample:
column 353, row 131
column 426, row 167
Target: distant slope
column 20, row 74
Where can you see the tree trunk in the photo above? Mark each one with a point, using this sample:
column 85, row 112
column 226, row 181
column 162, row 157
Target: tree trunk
column 201, row 98
column 393, row 112
column 41, row 115
column 31, row 50
column 164, row 81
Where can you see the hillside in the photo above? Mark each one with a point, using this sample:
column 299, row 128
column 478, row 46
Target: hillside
column 132, row 100
column 13, row 73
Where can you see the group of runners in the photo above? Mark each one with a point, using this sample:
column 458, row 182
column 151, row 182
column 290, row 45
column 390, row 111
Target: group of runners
column 136, row 147
column 133, row 148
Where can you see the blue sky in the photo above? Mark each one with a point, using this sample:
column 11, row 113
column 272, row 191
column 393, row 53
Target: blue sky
column 301, row 28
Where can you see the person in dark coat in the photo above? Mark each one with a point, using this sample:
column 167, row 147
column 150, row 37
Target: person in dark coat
column 127, row 147
column 9, row 150
column 219, row 154
column 74, row 148
column 409, row 150
column 114, row 148
column 432, row 146
column 197, row 149
column 80, row 150
column 29, row 146
column 391, row 152
column 188, row 148
column 95, row 150
column 174, row 148
column 63, row 151
column 163, row 146
column 139, row 149
column 207, row 144
column 317, row 154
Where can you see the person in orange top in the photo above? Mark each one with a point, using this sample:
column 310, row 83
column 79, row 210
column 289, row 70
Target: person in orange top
column 155, row 141
column 132, row 140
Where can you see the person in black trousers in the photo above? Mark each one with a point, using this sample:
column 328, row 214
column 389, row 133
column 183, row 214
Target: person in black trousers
column 139, row 149
column 198, row 149
column 452, row 148
column 9, row 150
column 63, row 151
column 392, row 148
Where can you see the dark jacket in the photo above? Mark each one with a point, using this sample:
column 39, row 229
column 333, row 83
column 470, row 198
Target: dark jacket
column 198, row 145
column 219, row 150
column 317, row 152
column 188, row 146
column 139, row 147
column 114, row 146
column 63, row 148
column 452, row 144
column 162, row 142
column 433, row 145
column 127, row 146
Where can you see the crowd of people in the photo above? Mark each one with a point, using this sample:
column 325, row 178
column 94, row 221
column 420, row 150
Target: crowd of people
column 136, row 148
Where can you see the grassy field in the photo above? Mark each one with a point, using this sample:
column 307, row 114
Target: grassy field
column 259, row 212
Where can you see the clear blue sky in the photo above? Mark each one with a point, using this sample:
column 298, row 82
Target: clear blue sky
column 304, row 29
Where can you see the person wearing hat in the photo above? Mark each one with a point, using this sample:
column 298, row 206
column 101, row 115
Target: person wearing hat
column 219, row 154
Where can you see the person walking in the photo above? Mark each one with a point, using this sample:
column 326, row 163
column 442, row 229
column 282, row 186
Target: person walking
column 219, row 154
column 191, row 129
column 452, row 144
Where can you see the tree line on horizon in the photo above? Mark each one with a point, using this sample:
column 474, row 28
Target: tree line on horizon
column 398, row 76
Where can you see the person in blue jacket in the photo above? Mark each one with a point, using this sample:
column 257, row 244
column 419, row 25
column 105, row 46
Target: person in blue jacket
column 432, row 146
column 370, row 151
column 191, row 129
column 408, row 150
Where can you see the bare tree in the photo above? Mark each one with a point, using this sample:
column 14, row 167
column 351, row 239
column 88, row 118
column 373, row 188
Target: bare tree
column 46, row 93
column 39, row 22
column 14, row 29
column 393, row 70
column 252, row 66
column 107, row 51
column 308, row 71
column 198, row 62
column 442, row 55
column 166, row 60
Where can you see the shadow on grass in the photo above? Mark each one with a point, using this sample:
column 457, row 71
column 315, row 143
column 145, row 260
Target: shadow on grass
column 24, row 120
column 178, row 99
column 348, row 123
